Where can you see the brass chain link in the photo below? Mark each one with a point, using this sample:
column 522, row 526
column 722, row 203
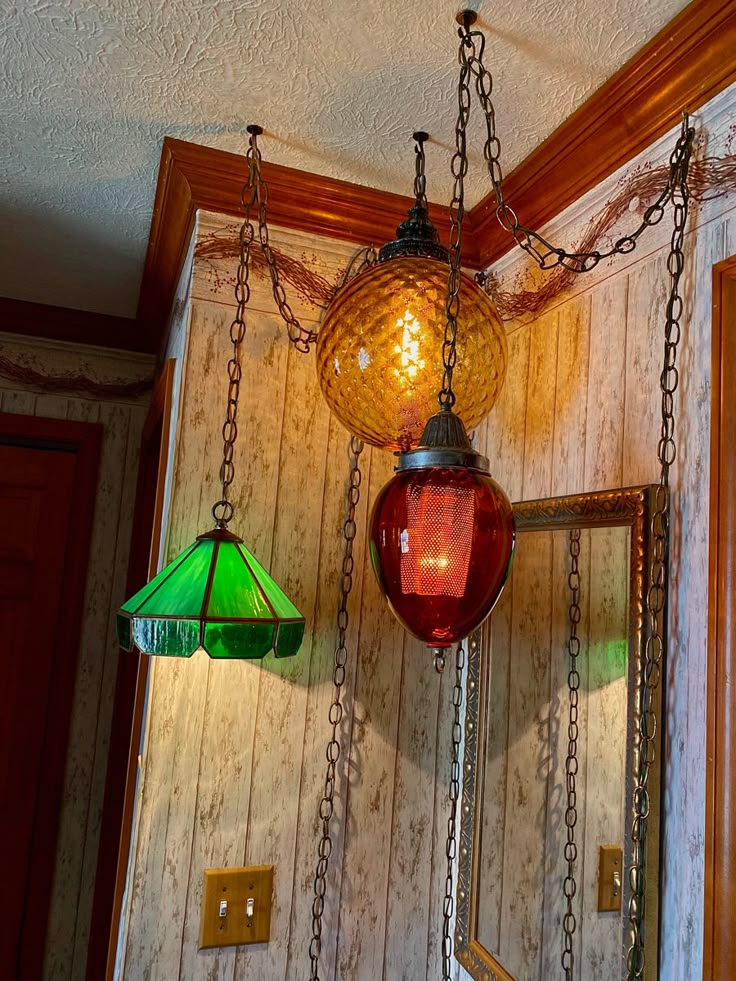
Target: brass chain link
column 659, row 533
column 459, row 168
column 448, row 909
column 335, row 715
column 569, row 886
column 222, row 511
column 546, row 255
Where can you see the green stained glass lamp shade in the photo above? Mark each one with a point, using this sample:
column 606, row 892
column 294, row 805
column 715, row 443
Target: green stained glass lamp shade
column 215, row 595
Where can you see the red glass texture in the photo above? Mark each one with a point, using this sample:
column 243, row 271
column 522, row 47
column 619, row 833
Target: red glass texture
column 441, row 545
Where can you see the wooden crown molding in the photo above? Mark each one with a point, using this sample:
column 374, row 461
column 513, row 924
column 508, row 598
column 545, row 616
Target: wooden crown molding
column 684, row 66
column 73, row 326
column 193, row 177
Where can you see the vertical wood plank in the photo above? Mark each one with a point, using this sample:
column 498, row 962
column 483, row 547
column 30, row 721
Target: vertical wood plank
column 571, row 396
column 604, row 790
column 502, row 433
column 51, row 406
column 282, row 700
column 370, row 804
column 88, row 685
column 21, row 403
column 522, row 902
column 684, row 777
column 604, row 433
column 317, row 727
column 409, row 882
column 177, row 696
column 539, row 428
column 110, row 654
column 500, row 660
column 647, row 296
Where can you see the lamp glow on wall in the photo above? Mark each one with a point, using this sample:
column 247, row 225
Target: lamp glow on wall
column 215, row 595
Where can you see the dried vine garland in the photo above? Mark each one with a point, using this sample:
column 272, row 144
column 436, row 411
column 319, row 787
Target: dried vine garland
column 709, row 178
column 72, row 384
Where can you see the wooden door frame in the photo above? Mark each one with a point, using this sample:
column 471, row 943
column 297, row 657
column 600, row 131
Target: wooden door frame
column 84, row 440
column 719, row 940
column 130, row 691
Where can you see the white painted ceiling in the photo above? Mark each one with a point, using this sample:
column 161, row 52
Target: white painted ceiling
column 89, row 89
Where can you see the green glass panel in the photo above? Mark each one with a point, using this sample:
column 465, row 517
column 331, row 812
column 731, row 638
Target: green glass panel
column 131, row 605
column 238, row 640
column 176, row 638
column 124, row 629
column 182, row 594
column 289, row 638
column 235, row 593
column 276, row 596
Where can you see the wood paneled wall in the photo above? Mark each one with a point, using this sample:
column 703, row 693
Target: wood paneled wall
column 84, row 782
column 234, row 759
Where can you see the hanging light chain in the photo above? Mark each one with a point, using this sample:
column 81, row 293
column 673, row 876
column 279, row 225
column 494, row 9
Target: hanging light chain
column 420, row 180
column 569, row 886
column 448, row 909
column 659, row 533
column 459, row 168
column 222, row 511
column 327, row 804
column 300, row 337
column 546, row 255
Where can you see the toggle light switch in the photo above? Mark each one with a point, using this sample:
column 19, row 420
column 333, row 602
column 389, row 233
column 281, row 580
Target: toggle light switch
column 236, row 906
column 610, row 878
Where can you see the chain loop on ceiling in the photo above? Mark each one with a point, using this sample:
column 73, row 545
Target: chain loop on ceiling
column 544, row 253
column 256, row 192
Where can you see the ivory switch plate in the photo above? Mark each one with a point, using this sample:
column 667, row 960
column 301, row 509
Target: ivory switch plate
column 610, row 878
column 226, row 895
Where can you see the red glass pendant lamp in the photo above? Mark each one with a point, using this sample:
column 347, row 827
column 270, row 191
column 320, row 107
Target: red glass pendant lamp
column 442, row 536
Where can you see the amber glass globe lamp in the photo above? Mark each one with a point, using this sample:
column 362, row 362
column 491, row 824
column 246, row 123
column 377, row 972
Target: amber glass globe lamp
column 383, row 333
column 442, row 536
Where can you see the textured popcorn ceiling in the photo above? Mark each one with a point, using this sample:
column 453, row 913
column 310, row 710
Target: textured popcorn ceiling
column 89, row 90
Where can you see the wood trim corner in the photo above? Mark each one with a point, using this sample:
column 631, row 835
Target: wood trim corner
column 719, row 940
column 193, row 177
column 72, row 326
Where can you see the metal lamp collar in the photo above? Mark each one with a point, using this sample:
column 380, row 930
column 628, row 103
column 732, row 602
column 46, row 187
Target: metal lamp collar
column 444, row 443
column 416, row 236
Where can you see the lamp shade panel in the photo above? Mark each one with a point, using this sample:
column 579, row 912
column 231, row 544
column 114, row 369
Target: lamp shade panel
column 216, row 596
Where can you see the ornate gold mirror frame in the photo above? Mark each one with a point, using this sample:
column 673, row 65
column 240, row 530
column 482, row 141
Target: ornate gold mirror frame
column 629, row 508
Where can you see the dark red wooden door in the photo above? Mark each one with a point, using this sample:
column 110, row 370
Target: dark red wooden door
column 45, row 486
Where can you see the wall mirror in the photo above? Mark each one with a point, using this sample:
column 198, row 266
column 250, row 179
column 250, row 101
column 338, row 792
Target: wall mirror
column 511, row 901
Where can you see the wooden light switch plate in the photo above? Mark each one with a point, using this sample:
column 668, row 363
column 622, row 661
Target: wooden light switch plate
column 610, row 878
column 230, row 924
